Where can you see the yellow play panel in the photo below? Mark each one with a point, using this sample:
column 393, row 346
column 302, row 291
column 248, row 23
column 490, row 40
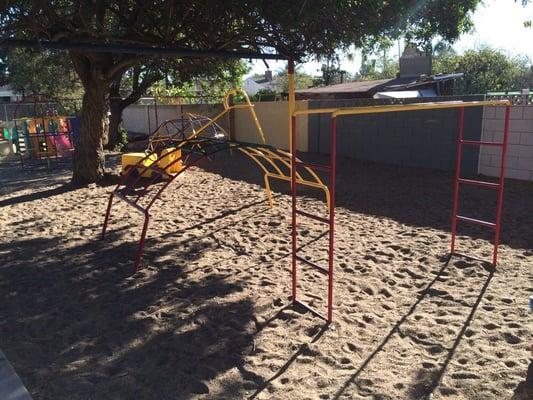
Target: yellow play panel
column 168, row 163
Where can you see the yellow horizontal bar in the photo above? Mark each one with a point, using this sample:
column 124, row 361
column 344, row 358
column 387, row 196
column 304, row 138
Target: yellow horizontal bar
column 235, row 106
column 315, row 111
column 418, row 106
column 402, row 107
column 299, row 181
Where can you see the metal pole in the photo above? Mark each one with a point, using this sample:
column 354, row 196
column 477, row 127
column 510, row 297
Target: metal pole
column 293, row 211
column 333, row 163
column 141, row 243
column 292, row 102
column 106, row 219
column 500, row 188
column 457, row 176
column 292, row 151
column 148, row 114
column 156, row 114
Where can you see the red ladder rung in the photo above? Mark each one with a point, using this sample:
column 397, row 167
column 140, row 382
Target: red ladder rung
column 312, row 216
column 312, row 264
column 476, row 221
column 481, row 143
column 319, row 167
column 473, row 182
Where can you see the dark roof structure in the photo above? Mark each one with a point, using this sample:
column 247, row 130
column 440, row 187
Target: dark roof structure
column 367, row 89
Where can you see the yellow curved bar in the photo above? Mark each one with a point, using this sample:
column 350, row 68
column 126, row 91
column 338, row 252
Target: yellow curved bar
column 267, row 182
column 284, row 161
column 258, row 153
column 318, row 184
column 280, row 175
column 311, row 172
column 305, row 183
column 248, row 105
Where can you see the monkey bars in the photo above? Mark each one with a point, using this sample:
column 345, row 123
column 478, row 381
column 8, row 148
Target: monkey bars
column 331, row 168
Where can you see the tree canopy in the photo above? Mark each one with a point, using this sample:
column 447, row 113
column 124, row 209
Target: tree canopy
column 295, row 28
column 29, row 71
column 486, row 70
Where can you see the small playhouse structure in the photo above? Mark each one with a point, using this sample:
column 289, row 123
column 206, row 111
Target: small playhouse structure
column 178, row 144
column 41, row 131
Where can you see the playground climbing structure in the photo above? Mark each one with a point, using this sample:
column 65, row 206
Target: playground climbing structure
column 178, row 144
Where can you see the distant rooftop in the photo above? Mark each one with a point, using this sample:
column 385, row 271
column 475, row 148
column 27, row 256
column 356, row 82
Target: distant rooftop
column 367, row 89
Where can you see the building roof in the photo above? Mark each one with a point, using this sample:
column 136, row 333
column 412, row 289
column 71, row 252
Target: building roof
column 348, row 87
column 369, row 88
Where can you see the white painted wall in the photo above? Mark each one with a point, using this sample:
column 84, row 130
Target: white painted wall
column 142, row 118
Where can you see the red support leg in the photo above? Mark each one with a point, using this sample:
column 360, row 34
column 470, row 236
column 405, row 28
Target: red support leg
column 293, row 213
column 500, row 189
column 141, row 242
column 333, row 163
column 457, row 176
column 106, row 220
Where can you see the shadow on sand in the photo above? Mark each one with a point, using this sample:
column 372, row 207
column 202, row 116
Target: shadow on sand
column 400, row 193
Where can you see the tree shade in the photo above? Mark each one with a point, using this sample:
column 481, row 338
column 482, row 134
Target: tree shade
column 298, row 29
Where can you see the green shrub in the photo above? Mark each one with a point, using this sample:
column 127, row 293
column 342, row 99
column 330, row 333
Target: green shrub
column 123, row 139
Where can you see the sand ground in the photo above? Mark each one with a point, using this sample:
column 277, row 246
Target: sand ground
column 209, row 315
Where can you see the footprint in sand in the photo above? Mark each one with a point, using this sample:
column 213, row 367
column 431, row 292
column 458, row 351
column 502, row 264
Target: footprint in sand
column 510, row 338
column 491, row 326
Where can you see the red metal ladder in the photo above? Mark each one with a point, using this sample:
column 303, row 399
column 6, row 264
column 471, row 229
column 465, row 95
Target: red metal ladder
column 330, row 220
column 489, row 185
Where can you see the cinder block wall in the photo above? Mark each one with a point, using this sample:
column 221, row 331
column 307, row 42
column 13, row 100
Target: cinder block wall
column 422, row 139
column 519, row 163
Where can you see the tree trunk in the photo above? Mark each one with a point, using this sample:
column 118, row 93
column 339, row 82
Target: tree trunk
column 89, row 158
column 115, row 119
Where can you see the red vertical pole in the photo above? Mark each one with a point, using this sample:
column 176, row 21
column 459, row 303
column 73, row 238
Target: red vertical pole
column 333, row 164
column 457, row 175
column 500, row 188
column 141, row 242
column 292, row 148
column 108, row 211
column 293, row 212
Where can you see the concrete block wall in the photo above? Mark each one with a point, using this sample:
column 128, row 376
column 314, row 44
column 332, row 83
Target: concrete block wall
column 422, row 139
column 519, row 163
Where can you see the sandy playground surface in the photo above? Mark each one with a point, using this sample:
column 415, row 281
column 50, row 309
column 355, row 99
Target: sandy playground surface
column 209, row 315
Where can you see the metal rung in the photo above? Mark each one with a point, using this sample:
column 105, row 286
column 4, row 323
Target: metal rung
column 310, row 309
column 489, row 185
column 319, row 167
column 131, row 203
column 481, row 143
column 312, row 264
column 476, row 221
column 312, row 216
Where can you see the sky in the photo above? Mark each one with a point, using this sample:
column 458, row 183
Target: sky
column 497, row 23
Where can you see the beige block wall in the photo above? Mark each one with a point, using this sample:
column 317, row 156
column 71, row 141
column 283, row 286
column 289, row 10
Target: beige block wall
column 274, row 118
column 519, row 163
